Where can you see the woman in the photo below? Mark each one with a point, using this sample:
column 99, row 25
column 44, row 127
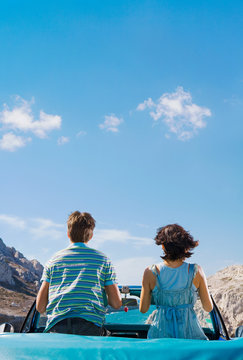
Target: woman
column 174, row 284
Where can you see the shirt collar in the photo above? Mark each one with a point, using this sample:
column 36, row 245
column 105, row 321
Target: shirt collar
column 77, row 244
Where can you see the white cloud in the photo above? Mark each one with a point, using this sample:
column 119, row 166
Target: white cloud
column 38, row 227
column 147, row 103
column 63, row 140
column 102, row 236
column 21, row 119
column 41, row 227
column 45, row 124
column 81, row 133
column 111, row 123
column 130, row 270
column 182, row 117
column 13, row 221
column 12, row 142
column 44, row 228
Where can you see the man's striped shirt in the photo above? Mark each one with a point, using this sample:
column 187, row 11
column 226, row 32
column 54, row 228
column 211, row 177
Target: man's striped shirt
column 77, row 276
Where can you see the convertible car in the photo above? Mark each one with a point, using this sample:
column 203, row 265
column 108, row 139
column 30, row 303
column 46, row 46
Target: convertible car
column 126, row 337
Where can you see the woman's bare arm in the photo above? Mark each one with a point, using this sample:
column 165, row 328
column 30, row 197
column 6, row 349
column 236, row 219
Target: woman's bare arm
column 200, row 282
column 148, row 283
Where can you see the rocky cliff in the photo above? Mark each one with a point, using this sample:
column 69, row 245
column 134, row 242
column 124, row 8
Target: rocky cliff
column 19, row 283
column 17, row 272
column 226, row 286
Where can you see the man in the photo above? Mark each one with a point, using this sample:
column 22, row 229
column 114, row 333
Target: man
column 74, row 282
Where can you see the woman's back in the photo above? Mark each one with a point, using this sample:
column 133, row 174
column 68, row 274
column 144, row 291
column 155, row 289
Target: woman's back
column 173, row 278
column 175, row 296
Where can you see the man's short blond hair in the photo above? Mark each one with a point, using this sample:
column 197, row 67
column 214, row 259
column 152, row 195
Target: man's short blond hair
column 80, row 226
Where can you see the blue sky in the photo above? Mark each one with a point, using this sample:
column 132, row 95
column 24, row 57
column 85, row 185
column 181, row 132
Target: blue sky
column 131, row 110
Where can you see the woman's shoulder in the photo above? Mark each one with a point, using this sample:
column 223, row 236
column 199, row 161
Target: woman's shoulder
column 197, row 269
column 199, row 275
column 149, row 277
column 150, row 270
column 194, row 266
column 155, row 269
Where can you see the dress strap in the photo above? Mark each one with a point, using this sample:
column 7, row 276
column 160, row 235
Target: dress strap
column 153, row 269
column 191, row 274
column 155, row 272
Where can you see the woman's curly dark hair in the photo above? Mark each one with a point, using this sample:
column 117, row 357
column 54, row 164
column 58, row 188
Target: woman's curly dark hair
column 176, row 241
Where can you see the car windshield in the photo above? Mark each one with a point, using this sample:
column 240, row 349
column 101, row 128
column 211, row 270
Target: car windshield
column 132, row 315
column 129, row 314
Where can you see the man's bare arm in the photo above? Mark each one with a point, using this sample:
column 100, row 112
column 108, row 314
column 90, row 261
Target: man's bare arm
column 113, row 295
column 42, row 297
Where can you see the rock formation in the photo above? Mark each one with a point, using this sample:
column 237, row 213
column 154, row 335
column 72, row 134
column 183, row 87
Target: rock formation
column 19, row 283
column 17, row 271
column 226, row 286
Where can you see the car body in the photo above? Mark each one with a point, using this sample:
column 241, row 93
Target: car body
column 127, row 329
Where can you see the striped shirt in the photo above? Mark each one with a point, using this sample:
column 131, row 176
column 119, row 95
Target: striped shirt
column 77, row 276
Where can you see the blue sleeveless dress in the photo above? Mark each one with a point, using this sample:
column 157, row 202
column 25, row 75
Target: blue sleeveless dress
column 175, row 296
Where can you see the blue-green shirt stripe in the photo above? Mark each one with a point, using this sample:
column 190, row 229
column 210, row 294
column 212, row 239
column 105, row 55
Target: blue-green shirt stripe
column 77, row 276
